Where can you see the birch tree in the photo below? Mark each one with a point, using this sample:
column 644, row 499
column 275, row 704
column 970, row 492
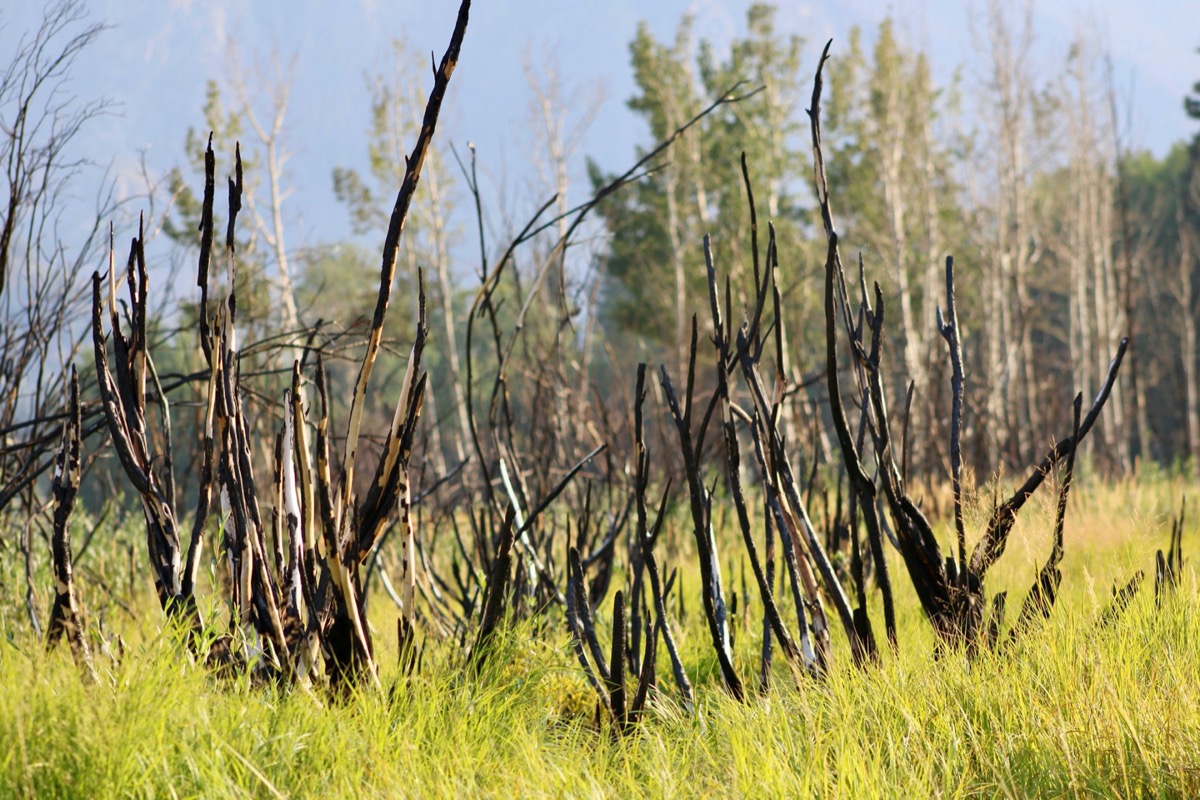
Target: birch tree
column 1096, row 319
column 897, row 167
column 1007, row 233
column 653, row 266
column 268, row 124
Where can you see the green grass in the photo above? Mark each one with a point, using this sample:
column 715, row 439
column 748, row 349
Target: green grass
column 1072, row 711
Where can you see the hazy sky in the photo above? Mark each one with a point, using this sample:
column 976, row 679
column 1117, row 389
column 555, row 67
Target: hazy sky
column 156, row 59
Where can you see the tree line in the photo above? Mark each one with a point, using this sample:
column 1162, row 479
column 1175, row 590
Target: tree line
column 1066, row 238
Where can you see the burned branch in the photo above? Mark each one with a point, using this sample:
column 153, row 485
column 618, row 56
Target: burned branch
column 66, row 615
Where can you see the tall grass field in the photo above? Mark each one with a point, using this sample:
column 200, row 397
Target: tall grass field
column 1075, row 708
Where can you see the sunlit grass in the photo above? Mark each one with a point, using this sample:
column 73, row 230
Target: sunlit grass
column 1074, row 709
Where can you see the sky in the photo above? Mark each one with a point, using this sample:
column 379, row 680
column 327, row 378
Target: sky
column 154, row 61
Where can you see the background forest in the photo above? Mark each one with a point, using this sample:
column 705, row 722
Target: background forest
column 1066, row 238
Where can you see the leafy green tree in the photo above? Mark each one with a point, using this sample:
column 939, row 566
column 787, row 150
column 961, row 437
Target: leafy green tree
column 182, row 224
column 898, row 204
column 1188, row 292
column 654, row 263
column 1153, row 191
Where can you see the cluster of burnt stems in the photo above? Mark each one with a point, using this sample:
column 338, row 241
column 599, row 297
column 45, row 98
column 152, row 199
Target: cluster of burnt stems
column 502, row 536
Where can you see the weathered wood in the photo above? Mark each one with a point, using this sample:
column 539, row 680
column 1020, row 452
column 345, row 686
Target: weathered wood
column 712, row 595
column 497, row 591
column 948, row 327
column 1121, row 598
column 1044, row 591
column 616, row 679
column 862, row 486
column 66, row 615
column 649, row 536
column 726, row 361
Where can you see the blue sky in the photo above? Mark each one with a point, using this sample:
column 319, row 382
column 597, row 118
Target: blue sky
column 155, row 61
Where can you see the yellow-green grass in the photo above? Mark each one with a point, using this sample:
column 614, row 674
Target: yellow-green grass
column 1074, row 709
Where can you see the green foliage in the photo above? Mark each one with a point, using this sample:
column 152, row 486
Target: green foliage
column 886, row 147
column 1191, row 187
column 657, row 224
column 1158, row 218
column 182, row 226
column 187, row 187
column 894, row 166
